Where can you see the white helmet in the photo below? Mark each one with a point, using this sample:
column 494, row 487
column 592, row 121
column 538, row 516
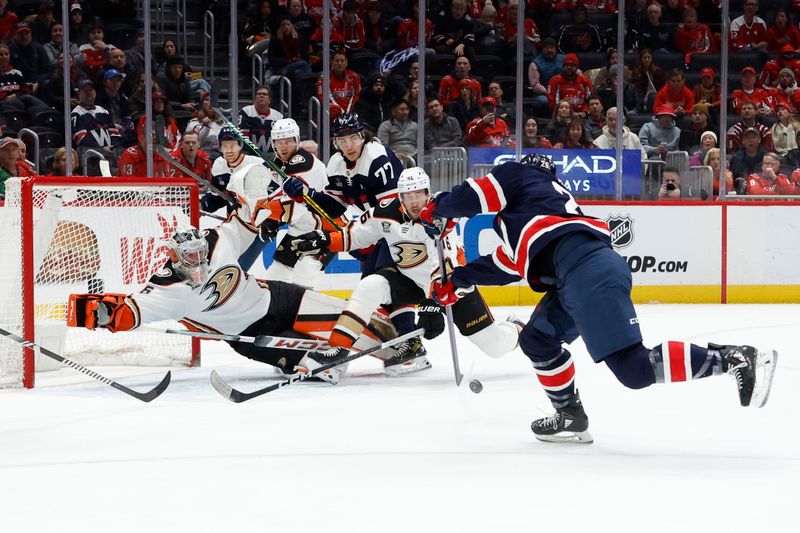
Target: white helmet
column 413, row 179
column 285, row 128
column 188, row 250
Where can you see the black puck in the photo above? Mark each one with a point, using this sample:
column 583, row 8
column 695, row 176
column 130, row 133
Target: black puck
column 475, row 386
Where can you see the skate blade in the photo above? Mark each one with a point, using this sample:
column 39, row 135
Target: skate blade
column 766, row 362
column 327, row 377
column 565, row 437
column 407, row 367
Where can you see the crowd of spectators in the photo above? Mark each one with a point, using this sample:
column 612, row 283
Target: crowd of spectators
column 670, row 77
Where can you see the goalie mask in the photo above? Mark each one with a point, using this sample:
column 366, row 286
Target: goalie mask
column 414, row 187
column 188, row 250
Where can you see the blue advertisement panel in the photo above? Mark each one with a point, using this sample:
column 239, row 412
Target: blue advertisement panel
column 583, row 172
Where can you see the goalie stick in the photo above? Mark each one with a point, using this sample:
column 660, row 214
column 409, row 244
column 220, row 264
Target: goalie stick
column 143, row 396
column 238, row 396
column 275, row 168
column 262, row 341
column 164, row 153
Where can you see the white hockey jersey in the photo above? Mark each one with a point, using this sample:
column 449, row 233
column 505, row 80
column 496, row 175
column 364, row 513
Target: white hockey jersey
column 413, row 251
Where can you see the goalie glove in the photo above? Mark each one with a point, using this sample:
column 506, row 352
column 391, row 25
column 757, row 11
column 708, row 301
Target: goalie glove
column 109, row 311
column 311, row 243
column 430, row 317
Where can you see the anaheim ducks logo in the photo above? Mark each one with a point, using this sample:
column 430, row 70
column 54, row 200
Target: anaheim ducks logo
column 410, row 254
column 221, row 286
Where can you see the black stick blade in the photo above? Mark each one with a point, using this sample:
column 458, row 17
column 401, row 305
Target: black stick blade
column 148, row 396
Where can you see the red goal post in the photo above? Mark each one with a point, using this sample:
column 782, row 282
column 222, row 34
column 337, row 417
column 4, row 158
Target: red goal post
column 65, row 235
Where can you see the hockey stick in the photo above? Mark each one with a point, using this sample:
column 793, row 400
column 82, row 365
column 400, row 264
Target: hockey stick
column 164, row 153
column 449, row 314
column 212, row 215
column 237, row 396
column 253, row 148
column 262, row 341
column 143, row 396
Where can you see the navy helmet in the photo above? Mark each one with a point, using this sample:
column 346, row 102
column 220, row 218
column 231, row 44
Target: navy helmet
column 346, row 124
column 542, row 162
column 227, row 134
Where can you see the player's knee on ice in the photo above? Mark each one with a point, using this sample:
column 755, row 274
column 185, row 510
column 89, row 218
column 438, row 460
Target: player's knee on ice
column 632, row 366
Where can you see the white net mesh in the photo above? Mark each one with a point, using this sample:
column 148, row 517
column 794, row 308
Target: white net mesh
column 87, row 239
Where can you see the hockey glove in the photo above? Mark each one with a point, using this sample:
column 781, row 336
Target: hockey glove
column 435, row 226
column 430, row 317
column 311, row 243
column 295, row 188
column 268, row 230
column 452, row 290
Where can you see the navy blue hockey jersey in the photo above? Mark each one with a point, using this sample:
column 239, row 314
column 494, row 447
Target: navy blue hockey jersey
column 257, row 127
column 93, row 128
column 533, row 210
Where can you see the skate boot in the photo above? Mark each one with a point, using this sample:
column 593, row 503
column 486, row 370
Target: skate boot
column 314, row 360
column 410, row 357
column 752, row 370
column 517, row 321
column 567, row 424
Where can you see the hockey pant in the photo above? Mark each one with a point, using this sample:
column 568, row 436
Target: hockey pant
column 301, row 270
column 470, row 314
column 592, row 300
column 377, row 258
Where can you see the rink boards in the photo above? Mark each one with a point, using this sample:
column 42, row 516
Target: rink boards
column 679, row 252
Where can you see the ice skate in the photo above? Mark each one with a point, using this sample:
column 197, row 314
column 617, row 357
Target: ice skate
column 753, row 371
column 410, row 357
column 568, row 424
column 314, row 360
column 517, row 321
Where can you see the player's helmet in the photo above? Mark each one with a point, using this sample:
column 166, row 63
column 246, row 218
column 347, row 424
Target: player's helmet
column 285, row 128
column 188, row 250
column 346, row 124
column 413, row 179
column 227, row 134
column 542, row 162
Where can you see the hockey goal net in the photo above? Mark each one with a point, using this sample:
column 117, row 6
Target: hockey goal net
column 85, row 235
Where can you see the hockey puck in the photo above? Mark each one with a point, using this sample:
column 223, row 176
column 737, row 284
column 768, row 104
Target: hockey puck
column 475, row 386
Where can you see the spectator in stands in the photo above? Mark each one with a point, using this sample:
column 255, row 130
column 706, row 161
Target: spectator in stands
column 118, row 61
column 78, row 28
column 708, row 90
column 303, row 23
column 374, row 105
column 654, row 34
column 782, row 33
column 670, row 184
column 377, row 29
column 350, row 27
column 488, row 130
column 60, row 163
column 92, row 127
column 748, row 116
column 785, row 91
column 441, row 129
column 399, row 132
column 28, row 56
column 466, row 108
column 608, row 139
column 449, row 86
column 784, row 134
column 168, row 49
column 8, row 21
column 532, row 41
column 661, row 135
column 607, row 91
column 345, row 86
column 23, row 155
column 599, row 75
column 311, row 147
column 595, row 120
column 189, row 153
column 10, row 163
column 41, row 22
column 747, row 159
column 133, row 162
column 576, row 136
column 712, row 160
column 545, row 65
column 770, row 180
column 454, row 32
column 708, row 11
column 694, row 126
column 51, row 90
column 111, row 97
column 748, row 32
column 56, row 44
column 255, row 121
column 207, row 125
column 408, row 29
column 672, row 11
column 171, row 135
column 562, row 116
column 505, row 110
column 258, row 29
column 135, row 55
column 288, row 57
column 631, row 42
column 636, row 13
column 770, row 73
column 692, row 37
column 646, row 78
column 175, row 85
column 676, row 93
column 93, row 54
column 750, row 93
column 490, row 37
column 580, row 36
column 15, row 91
column 708, row 140
column 571, row 86
column 531, row 137
column 411, row 96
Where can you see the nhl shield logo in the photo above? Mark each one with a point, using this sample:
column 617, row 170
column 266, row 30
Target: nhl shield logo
column 387, row 226
column 621, row 230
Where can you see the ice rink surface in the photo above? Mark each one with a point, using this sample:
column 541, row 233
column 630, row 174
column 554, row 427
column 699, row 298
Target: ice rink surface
column 379, row 454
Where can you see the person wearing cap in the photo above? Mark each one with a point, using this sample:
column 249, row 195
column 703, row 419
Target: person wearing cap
column 661, row 135
column 654, row 34
column 750, row 93
column 708, row 91
column 111, row 97
column 399, row 132
column 92, row 127
column 782, row 33
column 488, row 130
column 449, row 86
column 454, row 32
column 708, row 141
column 770, row 72
column 608, row 139
column 467, row 106
column 175, row 85
column 676, row 93
column 78, row 28
column 691, row 37
column 374, row 105
column 580, row 35
column 770, row 181
column 56, row 44
column 785, row 133
column 748, row 32
column 570, row 86
column 694, row 126
column 747, row 159
column 28, row 56
column 15, row 92
column 10, row 165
